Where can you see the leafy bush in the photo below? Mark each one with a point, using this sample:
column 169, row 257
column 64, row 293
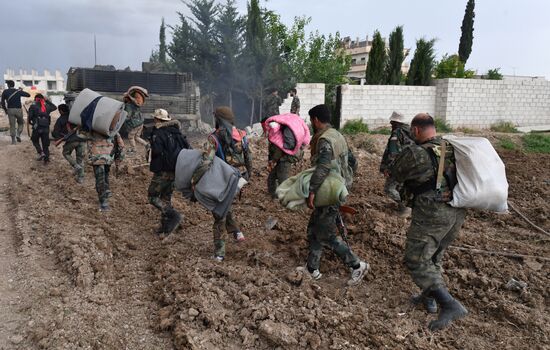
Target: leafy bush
column 508, row 127
column 442, row 126
column 381, row 131
column 537, row 143
column 493, row 74
column 452, row 67
column 353, row 127
column 508, row 144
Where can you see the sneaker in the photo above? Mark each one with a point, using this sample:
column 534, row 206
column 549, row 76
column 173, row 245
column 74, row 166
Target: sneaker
column 358, row 273
column 46, row 160
column 315, row 275
column 40, row 156
column 104, row 206
column 218, row 258
column 239, row 237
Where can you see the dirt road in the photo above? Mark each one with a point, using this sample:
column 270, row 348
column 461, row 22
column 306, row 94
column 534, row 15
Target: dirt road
column 87, row 280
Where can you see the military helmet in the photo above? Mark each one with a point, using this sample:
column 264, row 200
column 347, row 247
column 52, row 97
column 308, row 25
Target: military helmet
column 161, row 114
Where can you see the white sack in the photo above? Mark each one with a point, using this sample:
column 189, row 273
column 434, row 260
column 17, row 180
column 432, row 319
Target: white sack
column 481, row 175
column 106, row 110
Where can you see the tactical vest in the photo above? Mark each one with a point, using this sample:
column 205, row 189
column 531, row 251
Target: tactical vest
column 340, row 162
column 449, row 180
column 232, row 154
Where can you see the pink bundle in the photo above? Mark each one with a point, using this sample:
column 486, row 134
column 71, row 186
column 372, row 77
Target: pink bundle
column 296, row 124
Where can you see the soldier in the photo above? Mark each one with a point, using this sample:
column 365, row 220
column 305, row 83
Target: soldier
column 134, row 98
column 64, row 131
column 295, row 106
column 11, row 104
column 400, row 138
column 435, row 224
column 329, row 152
column 166, row 143
column 39, row 118
column 102, row 151
column 271, row 104
column 221, row 143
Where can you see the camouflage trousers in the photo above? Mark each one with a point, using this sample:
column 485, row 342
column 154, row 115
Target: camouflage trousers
column 161, row 189
column 223, row 225
column 322, row 232
column 15, row 116
column 277, row 175
column 78, row 147
column 434, row 226
column 101, row 173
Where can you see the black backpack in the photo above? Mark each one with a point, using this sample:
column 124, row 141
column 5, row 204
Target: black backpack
column 175, row 142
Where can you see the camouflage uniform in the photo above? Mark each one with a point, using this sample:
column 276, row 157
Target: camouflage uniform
column 134, row 125
column 102, row 151
column 239, row 159
column 400, row 138
column 295, row 106
column 78, row 147
column 435, row 224
column 271, row 106
column 280, row 171
column 330, row 152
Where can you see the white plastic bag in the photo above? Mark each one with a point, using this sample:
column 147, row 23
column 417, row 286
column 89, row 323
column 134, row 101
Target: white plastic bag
column 481, row 175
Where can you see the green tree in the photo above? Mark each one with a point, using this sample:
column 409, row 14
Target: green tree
column 493, row 74
column 377, row 61
column 229, row 37
column 162, row 43
column 181, row 49
column 422, row 64
column 467, row 37
column 451, row 67
column 396, row 56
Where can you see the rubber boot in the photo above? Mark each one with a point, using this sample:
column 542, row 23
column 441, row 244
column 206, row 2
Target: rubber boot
column 173, row 219
column 450, row 309
column 428, row 302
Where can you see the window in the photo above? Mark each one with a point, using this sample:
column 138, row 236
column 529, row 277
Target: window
column 27, row 82
column 353, row 61
column 52, row 85
column 363, row 59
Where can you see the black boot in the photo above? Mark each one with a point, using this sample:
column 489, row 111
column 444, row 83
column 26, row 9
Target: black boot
column 429, row 303
column 161, row 230
column 450, row 309
column 173, row 220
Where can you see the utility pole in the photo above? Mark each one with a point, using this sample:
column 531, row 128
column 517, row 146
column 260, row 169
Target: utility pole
column 95, row 52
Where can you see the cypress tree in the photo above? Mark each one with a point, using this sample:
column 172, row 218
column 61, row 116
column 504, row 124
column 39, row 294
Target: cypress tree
column 467, row 37
column 422, row 64
column 396, row 56
column 162, row 45
column 377, row 61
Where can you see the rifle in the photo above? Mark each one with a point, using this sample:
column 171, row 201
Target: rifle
column 66, row 137
column 340, row 221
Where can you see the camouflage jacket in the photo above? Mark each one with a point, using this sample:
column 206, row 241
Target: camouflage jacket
column 271, row 106
column 295, row 106
column 330, row 151
column 399, row 139
column 134, row 118
column 416, row 167
column 103, row 150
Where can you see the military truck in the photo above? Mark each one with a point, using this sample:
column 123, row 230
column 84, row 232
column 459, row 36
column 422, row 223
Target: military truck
column 175, row 92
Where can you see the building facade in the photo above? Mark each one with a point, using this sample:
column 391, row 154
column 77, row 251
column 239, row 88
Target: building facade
column 47, row 81
column 359, row 51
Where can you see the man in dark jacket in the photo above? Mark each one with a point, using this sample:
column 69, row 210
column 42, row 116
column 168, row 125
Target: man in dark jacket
column 39, row 118
column 11, row 104
column 64, row 131
column 166, row 143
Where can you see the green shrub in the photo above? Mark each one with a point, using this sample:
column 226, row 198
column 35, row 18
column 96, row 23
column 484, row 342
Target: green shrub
column 493, row 74
column 508, row 127
column 508, row 144
column 353, row 127
column 468, row 130
column 537, row 143
column 381, row 131
column 442, row 126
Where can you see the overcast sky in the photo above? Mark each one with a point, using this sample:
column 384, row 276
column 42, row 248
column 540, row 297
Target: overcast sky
column 57, row 34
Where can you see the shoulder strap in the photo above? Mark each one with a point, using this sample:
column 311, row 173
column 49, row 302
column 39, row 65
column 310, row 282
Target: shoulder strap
column 15, row 93
column 441, row 167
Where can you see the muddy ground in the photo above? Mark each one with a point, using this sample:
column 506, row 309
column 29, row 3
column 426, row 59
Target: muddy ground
column 75, row 278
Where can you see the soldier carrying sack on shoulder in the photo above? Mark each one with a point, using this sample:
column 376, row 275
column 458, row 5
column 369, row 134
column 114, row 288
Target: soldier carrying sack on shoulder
column 428, row 171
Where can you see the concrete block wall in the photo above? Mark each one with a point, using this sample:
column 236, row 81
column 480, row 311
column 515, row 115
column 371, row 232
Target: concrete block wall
column 481, row 103
column 473, row 103
column 375, row 103
column 310, row 95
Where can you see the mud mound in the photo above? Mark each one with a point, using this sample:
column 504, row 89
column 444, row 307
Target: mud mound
column 127, row 289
